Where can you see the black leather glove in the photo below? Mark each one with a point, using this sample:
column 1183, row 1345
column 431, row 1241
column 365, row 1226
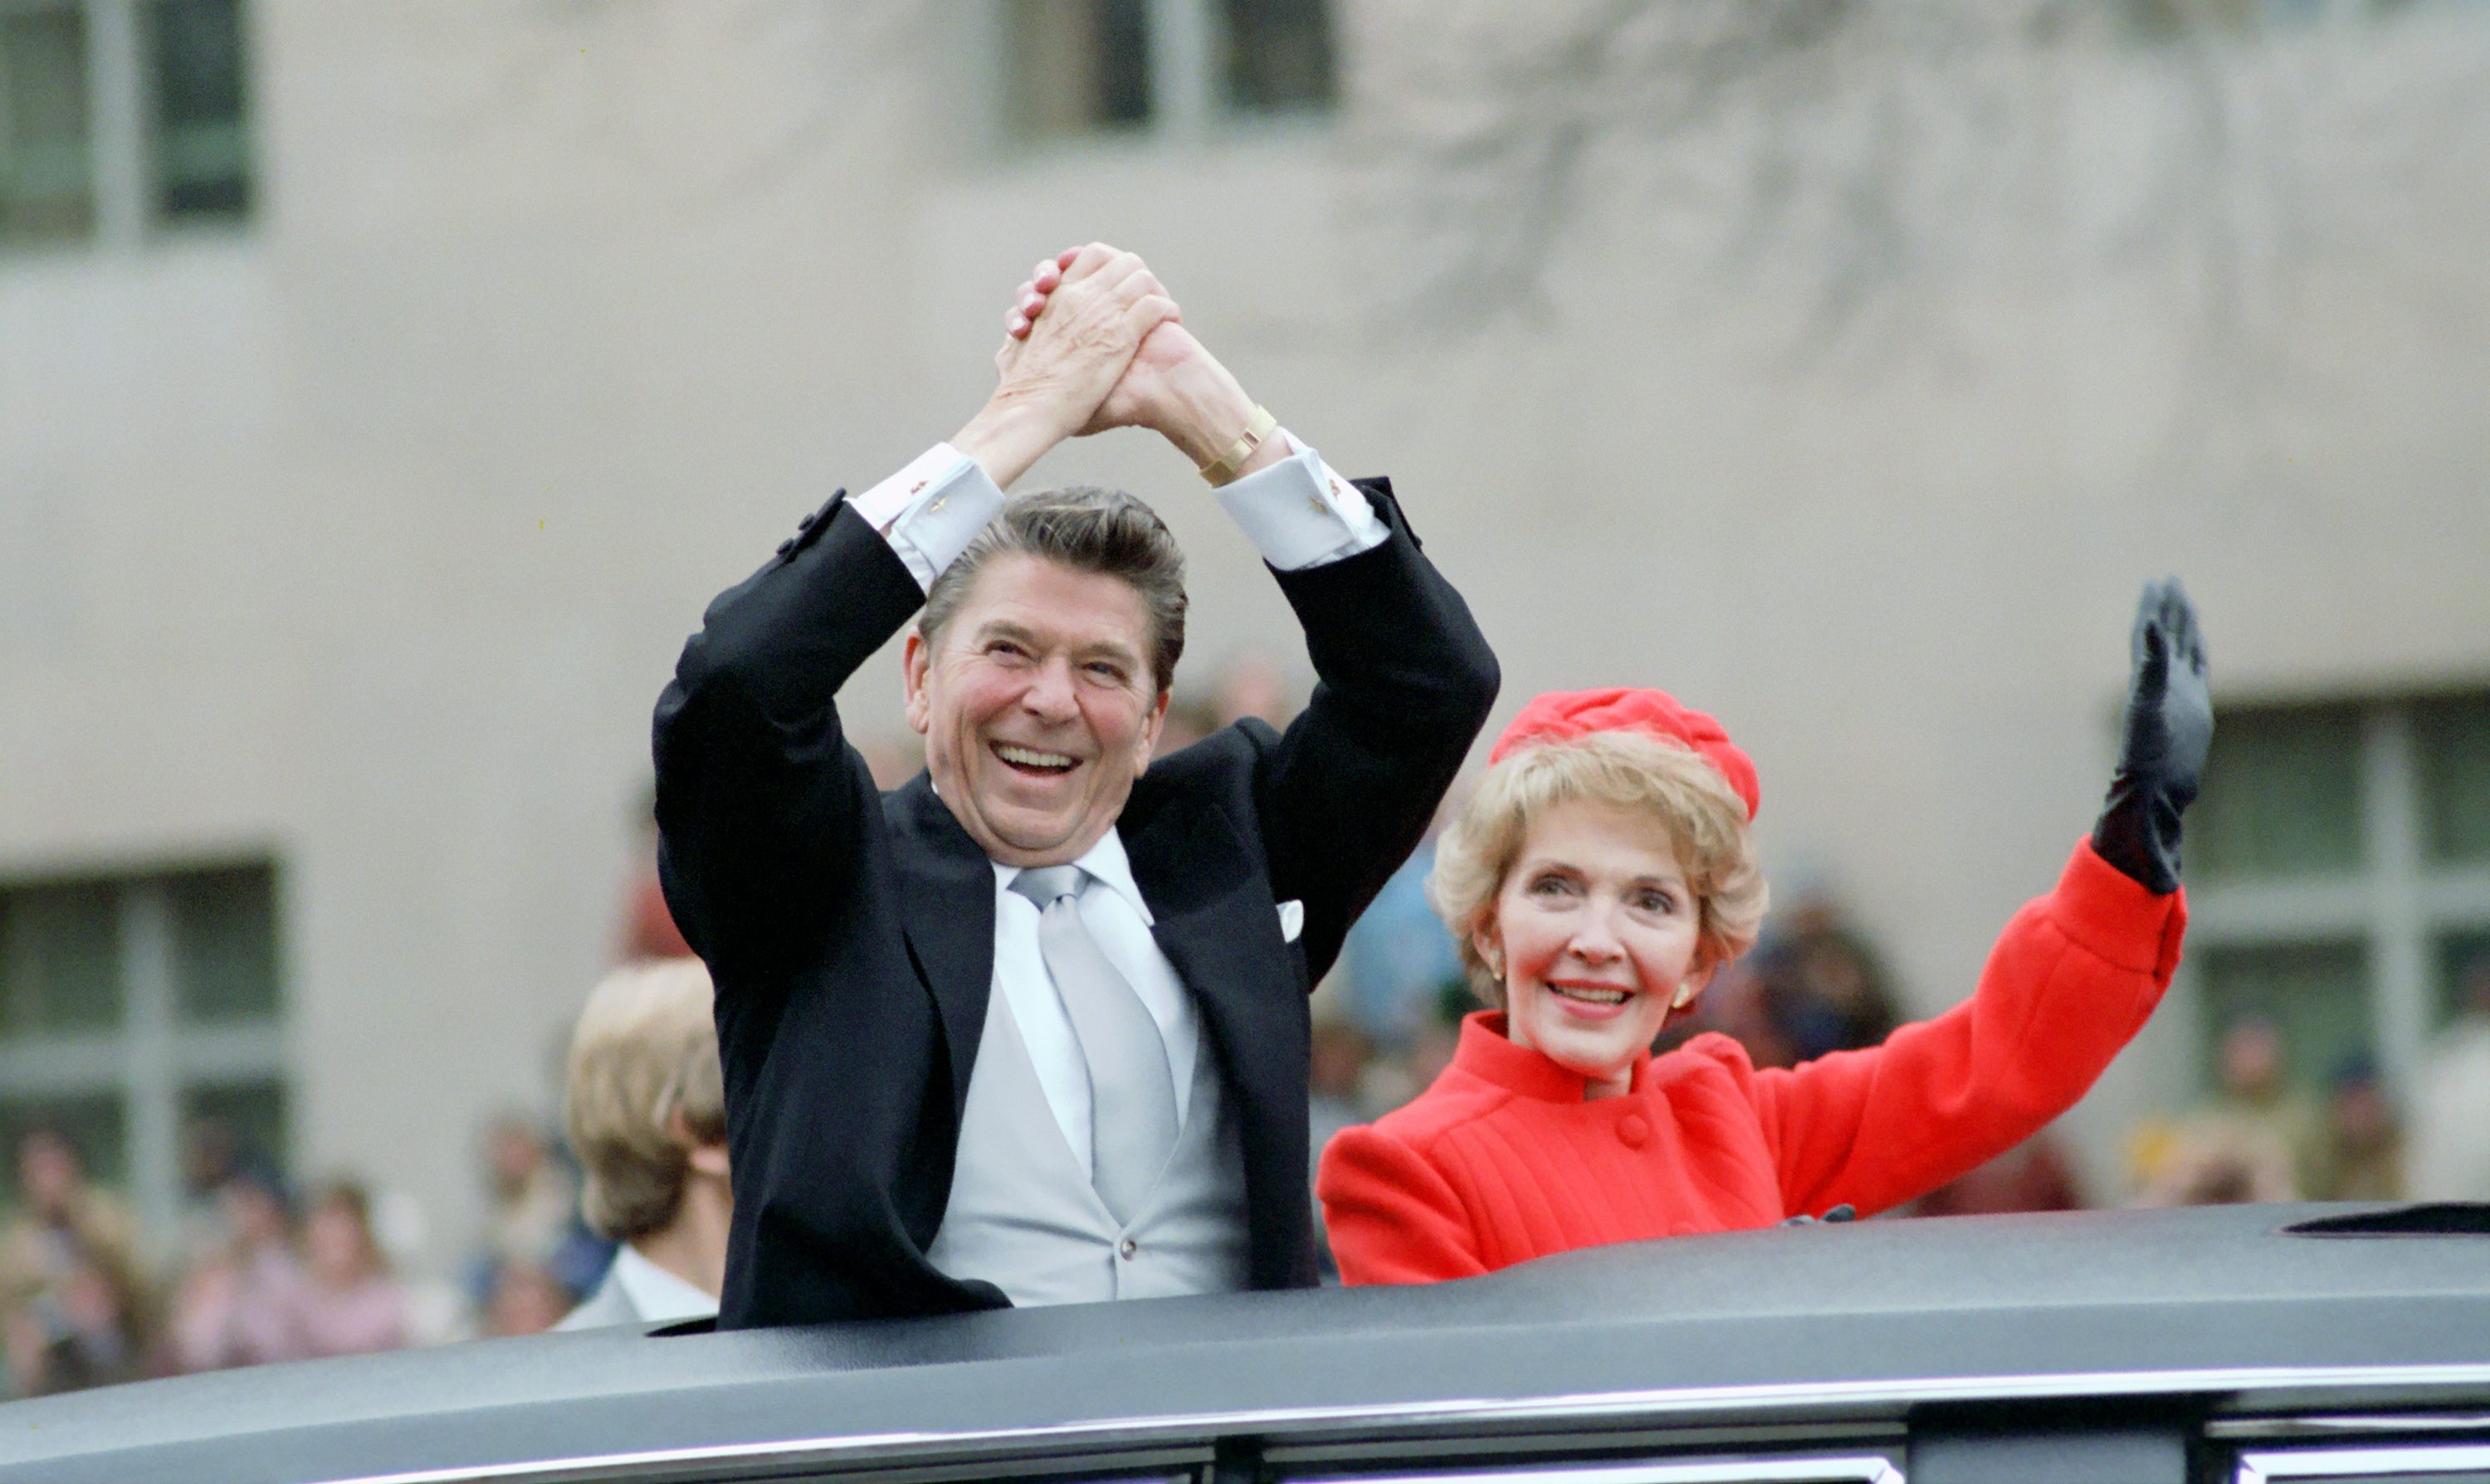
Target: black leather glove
column 2169, row 726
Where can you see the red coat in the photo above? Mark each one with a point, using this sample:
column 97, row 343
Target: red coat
column 1502, row 1160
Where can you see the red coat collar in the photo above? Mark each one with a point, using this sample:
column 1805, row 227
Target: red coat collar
column 1487, row 1054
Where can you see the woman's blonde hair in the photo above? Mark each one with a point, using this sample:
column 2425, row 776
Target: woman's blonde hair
column 646, row 1049
column 1705, row 819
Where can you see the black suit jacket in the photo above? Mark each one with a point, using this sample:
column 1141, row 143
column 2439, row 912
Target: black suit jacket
column 851, row 932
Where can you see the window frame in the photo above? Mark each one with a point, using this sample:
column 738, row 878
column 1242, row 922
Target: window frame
column 155, row 1060
column 70, row 241
column 2397, row 904
column 1848, row 1467
column 1186, row 89
column 122, row 137
column 2398, row 1460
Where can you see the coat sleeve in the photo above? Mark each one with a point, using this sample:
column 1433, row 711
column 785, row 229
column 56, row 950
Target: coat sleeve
column 2071, row 980
column 1403, row 683
column 1390, row 1214
column 760, row 801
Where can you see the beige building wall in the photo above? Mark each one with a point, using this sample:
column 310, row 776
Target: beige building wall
column 365, row 536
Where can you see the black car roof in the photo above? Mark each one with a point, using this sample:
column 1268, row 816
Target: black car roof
column 1855, row 1323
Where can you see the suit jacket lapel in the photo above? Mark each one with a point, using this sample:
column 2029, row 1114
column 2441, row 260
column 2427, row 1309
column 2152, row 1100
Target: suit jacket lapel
column 947, row 911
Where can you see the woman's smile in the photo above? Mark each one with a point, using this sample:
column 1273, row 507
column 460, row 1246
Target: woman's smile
column 1591, row 1002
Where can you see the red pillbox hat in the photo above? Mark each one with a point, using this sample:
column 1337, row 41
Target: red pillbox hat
column 1561, row 715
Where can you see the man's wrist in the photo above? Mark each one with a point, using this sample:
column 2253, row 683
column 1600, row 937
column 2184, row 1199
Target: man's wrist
column 1204, row 410
column 1006, row 437
column 1246, row 454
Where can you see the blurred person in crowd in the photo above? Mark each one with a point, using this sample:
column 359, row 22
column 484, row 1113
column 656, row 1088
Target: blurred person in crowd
column 210, row 1156
column 1824, row 986
column 648, row 929
column 1394, row 1076
column 2177, row 1166
column 1251, row 685
column 1186, row 722
column 72, row 1289
column 647, row 1117
column 2033, row 1176
column 1775, row 1011
column 2256, row 1126
column 1602, row 872
column 348, row 1302
column 1032, row 1028
column 238, row 1307
column 891, row 760
column 2450, row 1108
column 1336, row 1079
column 523, row 1298
column 2365, row 1141
column 1399, row 956
column 1341, row 1055
column 1736, row 1006
column 534, row 1200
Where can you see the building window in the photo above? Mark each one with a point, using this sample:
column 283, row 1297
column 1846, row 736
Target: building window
column 1077, row 67
column 1074, row 68
column 199, row 148
column 2339, row 874
column 132, row 1009
column 47, row 169
column 121, row 119
column 1275, row 57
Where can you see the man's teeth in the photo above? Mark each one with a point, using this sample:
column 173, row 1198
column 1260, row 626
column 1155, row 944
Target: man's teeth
column 1590, row 996
column 1031, row 757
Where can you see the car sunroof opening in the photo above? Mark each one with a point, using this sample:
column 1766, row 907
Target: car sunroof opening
column 2437, row 1218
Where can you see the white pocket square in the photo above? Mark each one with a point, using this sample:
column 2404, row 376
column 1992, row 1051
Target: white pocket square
column 1293, row 920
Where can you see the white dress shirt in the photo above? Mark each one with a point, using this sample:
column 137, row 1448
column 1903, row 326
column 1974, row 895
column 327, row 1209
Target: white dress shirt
column 661, row 1298
column 1298, row 514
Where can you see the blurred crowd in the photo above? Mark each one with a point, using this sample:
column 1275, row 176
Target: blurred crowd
column 2266, row 1135
column 262, row 1271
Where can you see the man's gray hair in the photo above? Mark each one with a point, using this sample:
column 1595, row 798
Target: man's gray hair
column 1088, row 529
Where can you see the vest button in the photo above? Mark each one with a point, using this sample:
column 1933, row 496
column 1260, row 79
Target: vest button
column 1126, row 1248
column 1633, row 1130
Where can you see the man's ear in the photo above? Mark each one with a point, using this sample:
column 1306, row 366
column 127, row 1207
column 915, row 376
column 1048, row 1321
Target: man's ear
column 913, row 662
column 1150, row 728
column 703, row 1157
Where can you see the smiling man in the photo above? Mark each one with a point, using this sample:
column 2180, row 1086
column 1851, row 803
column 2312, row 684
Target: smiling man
column 1033, row 1029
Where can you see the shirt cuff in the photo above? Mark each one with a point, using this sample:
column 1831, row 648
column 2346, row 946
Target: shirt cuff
column 1299, row 514
column 931, row 510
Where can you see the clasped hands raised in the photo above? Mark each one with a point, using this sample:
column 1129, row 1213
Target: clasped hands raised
column 1093, row 341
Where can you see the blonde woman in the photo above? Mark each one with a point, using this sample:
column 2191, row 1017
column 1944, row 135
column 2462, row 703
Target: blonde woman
column 1599, row 878
column 648, row 1120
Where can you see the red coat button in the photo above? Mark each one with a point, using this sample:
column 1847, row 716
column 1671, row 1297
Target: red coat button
column 1633, row 1130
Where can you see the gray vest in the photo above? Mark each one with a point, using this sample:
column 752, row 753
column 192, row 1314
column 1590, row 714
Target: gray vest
column 1023, row 1216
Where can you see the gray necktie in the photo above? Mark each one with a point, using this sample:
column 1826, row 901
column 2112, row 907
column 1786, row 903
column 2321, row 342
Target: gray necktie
column 1132, row 1095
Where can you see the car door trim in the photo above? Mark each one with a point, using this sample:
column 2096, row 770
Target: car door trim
column 2416, row 1461
column 1111, row 1434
